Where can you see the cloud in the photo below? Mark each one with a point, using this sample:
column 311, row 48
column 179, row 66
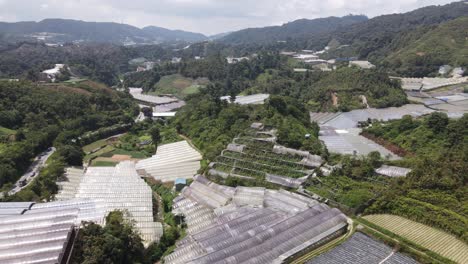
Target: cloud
column 206, row 16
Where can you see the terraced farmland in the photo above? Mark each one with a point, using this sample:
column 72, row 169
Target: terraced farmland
column 252, row 155
column 435, row 240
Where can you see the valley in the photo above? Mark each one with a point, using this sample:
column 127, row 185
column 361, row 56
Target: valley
column 326, row 140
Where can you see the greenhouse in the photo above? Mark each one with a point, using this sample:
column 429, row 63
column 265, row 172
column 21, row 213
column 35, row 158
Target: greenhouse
column 101, row 190
column 392, row 171
column 250, row 225
column 35, row 236
column 137, row 93
column 361, row 249
column 248, row 99
column 172, row 161
column 68, row 186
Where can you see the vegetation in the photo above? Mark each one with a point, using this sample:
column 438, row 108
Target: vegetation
column 432, row 239
column 435, row 192
column 436, row 46
column 172, row 230
column 117, row 242
column 212, row 124
column 352, row 185
column 44, row 116
column 178, row 85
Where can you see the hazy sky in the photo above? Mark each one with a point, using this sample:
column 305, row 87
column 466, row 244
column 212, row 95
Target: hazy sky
column 205, row 16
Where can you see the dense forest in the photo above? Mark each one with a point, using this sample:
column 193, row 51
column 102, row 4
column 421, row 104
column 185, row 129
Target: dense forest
column 58, row 115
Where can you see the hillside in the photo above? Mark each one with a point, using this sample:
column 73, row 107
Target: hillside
column 299, row 29
column 445, row 44
column 381, row 36
column 66, row 30
column 163, row 34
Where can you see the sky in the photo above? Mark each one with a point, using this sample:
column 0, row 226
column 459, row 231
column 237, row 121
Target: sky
column 204, row 16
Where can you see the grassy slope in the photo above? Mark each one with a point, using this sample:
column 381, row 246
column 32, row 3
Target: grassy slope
column 6, row 131
column 177, row 85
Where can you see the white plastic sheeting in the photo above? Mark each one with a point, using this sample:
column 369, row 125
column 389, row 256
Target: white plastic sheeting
column 39, row 237
column 137, row 93
column 248, row 99
column 172, row 161
column 69, row 186
column 285, row 181
column 393, row 171
column 249, row 225
column 361, row 249
column 101, row 190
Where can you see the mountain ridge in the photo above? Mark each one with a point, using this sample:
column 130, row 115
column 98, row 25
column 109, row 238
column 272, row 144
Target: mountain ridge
column 57, row 30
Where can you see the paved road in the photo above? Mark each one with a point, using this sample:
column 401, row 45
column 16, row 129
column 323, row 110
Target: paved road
column 32, row 171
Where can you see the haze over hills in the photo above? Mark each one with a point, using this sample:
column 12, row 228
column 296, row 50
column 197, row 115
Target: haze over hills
column 66, row 30
column 298, row 29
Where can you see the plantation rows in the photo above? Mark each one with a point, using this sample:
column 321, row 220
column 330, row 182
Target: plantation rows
column 264, row 159
column 256, row 165
column 433, row 239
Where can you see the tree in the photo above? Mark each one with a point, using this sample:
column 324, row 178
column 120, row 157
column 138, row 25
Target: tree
column 72, row 155
column 155, row 135
column 147, row 111
column 437, row 122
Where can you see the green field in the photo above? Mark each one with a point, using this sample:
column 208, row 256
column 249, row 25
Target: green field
column 6, row 131
column 134, row 154
column 75, row 80
column 99, row 153
column 178, row 85
column 99, row 163
column 433, row 239
column 94, row 145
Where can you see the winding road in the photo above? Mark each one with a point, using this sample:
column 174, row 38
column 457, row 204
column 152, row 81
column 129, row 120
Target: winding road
column 32, row 171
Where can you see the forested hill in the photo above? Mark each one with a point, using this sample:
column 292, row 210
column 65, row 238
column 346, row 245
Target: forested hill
column 377, row 37
column 299, row 29
column 421, row 53
column 66, row 30
column 163, row 34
